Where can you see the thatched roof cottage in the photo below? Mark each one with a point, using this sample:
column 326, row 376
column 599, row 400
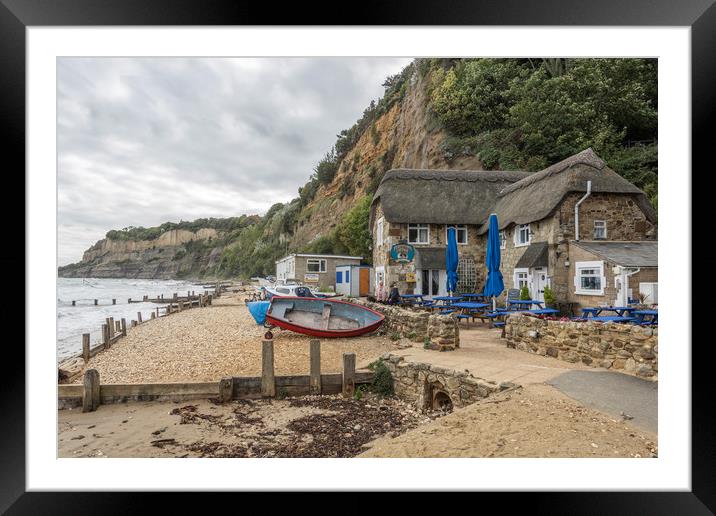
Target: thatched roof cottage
column 536, row 213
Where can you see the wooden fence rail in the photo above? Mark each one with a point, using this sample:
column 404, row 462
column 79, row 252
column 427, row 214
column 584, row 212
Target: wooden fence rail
column 92, row 393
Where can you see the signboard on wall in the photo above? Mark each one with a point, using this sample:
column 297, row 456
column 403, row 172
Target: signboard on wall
column 310, row 278
column 410, row 277
column 402, row 253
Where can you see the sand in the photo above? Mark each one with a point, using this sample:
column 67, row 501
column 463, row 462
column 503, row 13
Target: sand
column 206, row 344
column 311, row 426
column 534, row 421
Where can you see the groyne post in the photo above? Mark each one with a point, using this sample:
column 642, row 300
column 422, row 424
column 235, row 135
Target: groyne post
column 139, row 317
column 226, row 389
column 315, row 359
column 124, row 327
column 117, row 327
column 349, row 374
column 73, row 303
column 95, row 302
column 268, row 380
column 105, row 336
column 86, row 347
column 90, row 391
column 114, row 301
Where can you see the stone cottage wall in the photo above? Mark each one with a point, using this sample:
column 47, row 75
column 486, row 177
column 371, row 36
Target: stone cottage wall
column 620, row 347
column 422, row 383
column 442, row 331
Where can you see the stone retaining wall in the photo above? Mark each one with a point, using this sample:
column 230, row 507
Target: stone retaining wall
column 427, row 385
column 416, row 325
column 621, row 347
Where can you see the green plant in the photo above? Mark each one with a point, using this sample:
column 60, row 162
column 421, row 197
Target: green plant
column 382, row 380
column 412, row 335
column 525, row 293
column 395, row 336
column 548, row 296
column 282, row 393
column 358, row 394
column 426, row 342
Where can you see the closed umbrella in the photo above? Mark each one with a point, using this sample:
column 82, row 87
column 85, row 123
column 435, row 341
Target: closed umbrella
column 451, row 261
column 494, row 284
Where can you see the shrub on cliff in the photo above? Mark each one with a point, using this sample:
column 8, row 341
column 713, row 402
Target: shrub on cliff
column 382, row 379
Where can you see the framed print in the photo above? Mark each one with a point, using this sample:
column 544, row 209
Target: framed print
column 216, row 197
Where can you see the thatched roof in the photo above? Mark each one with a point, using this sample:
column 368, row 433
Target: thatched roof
column 440, row 196
column 535, row 197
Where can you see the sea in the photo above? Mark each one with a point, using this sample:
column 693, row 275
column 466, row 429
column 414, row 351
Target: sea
column 85, row 317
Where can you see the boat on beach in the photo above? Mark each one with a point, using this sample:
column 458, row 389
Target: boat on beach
column 320, row 317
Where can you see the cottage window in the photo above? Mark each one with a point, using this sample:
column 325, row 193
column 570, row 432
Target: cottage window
column 600, row 229
column 522, row 235
column 379, row 231
column 589, row 278
column 521, row 278
column 503, row 239
column 418, row 234
column 460, row 233
column 315, row 265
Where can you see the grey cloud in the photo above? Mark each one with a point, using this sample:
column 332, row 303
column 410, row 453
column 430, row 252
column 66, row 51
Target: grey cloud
column 146, row 140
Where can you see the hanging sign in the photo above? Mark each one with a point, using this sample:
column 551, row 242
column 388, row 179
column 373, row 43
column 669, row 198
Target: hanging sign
column 402, row 253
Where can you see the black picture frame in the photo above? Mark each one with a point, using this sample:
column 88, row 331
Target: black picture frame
column 700, row 15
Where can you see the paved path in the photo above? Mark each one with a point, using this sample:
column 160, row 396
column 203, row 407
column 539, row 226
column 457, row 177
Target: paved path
column 612, row 393
column 484, row 354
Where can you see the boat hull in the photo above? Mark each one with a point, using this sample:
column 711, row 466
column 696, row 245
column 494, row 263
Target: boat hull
column 320, row 317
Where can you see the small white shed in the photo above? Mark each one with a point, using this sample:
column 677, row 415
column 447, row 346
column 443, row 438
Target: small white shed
column 354, row 280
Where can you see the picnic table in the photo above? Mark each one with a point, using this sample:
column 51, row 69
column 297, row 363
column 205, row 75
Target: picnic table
column 473, row 296
column 597, row 311
column 544, row 311
column 606, row 318
column 447, row 300
column 411, row 299
column 641, row 317
column 523, row 302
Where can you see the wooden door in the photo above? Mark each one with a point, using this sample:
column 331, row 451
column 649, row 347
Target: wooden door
column 364, row 286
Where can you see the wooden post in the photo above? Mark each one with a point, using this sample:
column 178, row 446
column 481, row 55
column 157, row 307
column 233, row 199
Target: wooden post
column 117, row 327
column 268, row 380
column 315, row 354
column 152, row 315
column 226, row 389
column 114, row 301
column 180, row 305
column 73, row 303
column 139, row 317
column 105, row 336
column 85, row 346
column 188, row 293
column 129, row 301
column 157, row 311
column 111, row 327
column 192, row 293
column 95, row 302
column 209, row 299
column 162, row 296
column 134, row 323
column 349, row 374
column 145, row 298
column 175, row 296
column 90, row 393
column 124, row 327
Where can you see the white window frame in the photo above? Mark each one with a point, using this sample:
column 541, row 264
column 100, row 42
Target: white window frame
column 458, row 229
column 518, row 229
column 604, row 225
column 503, row 239
column 516, row 279
column 379, row 231
column 426, row 227
column 321, row 265
column 578, row 266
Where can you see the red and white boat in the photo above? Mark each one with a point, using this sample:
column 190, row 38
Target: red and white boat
column 320, row 317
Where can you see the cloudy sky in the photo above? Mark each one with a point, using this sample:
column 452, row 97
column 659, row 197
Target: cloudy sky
column 143, row 141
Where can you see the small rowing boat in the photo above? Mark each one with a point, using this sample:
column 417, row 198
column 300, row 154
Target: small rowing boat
column 320, row 317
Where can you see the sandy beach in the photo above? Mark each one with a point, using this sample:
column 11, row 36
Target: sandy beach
column 206, row 344
column 534, row 421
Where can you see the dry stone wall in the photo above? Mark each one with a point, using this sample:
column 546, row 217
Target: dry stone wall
column 440, row 332
column 621, row 347
column 433, row 387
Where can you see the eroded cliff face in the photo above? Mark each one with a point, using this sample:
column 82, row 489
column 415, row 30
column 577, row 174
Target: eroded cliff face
column 404, row 137
column 165, row 257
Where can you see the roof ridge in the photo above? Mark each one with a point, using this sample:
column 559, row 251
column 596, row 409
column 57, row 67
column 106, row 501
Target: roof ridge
column 585, row 157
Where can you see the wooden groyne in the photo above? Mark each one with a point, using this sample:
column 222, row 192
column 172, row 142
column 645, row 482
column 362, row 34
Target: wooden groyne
column 191, row 295
column 91, row 394
column 111, row 331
